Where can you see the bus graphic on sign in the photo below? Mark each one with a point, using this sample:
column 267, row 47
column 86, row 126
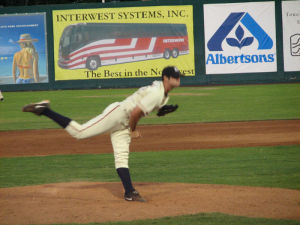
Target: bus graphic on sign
column 91, row 45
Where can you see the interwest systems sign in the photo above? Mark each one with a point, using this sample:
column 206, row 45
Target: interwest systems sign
column 240, row 38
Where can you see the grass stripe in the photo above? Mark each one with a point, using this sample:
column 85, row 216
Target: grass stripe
column 204, row 219
column 196, row 104
column 255, row 166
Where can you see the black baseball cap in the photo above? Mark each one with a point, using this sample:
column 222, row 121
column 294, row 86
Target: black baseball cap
column 171, row 71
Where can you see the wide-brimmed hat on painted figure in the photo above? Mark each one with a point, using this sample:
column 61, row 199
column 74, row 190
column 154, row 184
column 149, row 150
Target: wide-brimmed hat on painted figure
column 26, row 38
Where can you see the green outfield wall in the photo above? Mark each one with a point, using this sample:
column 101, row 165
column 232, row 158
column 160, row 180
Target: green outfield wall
column 229, row 42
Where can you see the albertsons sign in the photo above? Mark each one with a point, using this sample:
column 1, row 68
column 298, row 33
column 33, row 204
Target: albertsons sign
column 240, row 38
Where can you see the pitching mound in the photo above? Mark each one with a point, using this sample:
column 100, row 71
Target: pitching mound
column 100, row 202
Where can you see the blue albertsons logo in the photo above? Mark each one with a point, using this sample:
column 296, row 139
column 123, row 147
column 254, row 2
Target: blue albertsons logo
column 215, row 43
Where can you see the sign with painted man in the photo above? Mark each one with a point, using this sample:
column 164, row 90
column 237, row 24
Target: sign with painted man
column 122, row 42
column 23, row 55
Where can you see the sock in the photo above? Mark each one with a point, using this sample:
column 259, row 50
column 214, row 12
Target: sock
column 60, row 119
column 125, row 178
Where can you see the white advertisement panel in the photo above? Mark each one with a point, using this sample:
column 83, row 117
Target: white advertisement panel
column 240, row 38
column 291, row 35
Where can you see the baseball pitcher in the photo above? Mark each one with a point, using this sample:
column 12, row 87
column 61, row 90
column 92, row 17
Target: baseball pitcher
column 120, row 119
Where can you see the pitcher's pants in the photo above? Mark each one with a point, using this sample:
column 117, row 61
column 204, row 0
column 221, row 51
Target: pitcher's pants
column 114, row 119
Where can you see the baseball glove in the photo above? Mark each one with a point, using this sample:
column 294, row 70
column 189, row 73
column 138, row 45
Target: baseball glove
column 166, row 109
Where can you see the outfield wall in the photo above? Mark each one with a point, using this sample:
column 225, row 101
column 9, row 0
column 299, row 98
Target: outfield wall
column 229, row 42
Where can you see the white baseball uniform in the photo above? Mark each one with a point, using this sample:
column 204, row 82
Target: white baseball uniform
column 1, row 96
column 115, row 119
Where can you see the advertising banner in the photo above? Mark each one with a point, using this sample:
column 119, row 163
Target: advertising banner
column 291, row 35
column 240, row 38
column 130, row 42
column 23, row 50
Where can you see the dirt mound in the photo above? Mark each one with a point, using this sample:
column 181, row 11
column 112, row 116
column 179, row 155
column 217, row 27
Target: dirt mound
column 82, row 202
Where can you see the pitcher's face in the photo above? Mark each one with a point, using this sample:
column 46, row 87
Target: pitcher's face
column 174, row 82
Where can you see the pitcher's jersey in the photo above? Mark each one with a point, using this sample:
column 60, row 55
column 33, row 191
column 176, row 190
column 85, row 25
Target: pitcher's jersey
column 147, row 98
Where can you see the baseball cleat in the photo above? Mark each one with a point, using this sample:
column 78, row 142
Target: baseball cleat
column 134, row 196
column 37, row 108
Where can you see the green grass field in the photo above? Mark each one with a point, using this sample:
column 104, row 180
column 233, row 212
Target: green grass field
column 204, row 219
column 255, row 166
column 196, row 104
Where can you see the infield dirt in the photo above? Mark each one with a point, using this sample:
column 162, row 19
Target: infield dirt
column 155, row 138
